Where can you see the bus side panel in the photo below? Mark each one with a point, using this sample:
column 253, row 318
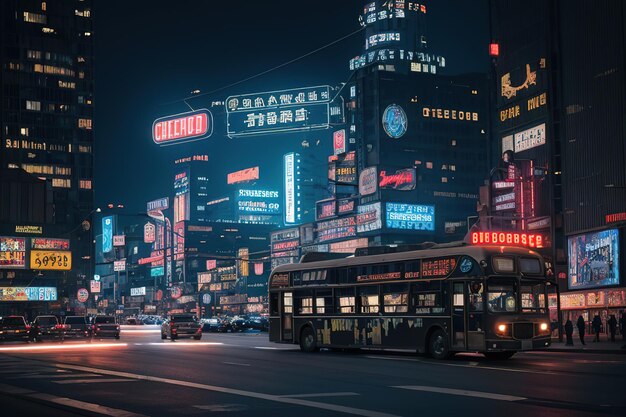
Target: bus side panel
column 381, row 332
column 274, row 331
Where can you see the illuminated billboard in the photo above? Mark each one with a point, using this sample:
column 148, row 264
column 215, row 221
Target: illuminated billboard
column 258, row 202
column 291, row 173
column 280, row 111
column 342, row 169
column 245, row 175
column 410, row 216
column 530, row 240
column 47, row 260
column 336, row 229
column 12, row 252
column 107, row 234
column 325, row 209
column 183, row 127
column 28, row 294
column 49, row 244
column 594, row 260
column 368, row 218
column 530, row 138
column 402, row 180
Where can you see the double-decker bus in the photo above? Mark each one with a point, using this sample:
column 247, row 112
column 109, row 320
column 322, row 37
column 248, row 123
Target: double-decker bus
column 445, row 299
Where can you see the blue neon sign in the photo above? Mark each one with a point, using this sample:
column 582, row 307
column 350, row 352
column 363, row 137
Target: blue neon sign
column 410, row 216
column 107, row 234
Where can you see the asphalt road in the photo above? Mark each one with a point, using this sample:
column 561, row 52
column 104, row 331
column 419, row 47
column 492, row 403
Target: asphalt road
column 245, row 375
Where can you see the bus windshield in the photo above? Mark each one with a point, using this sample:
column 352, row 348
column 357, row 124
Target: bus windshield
column 533, row 297
column 502, row 295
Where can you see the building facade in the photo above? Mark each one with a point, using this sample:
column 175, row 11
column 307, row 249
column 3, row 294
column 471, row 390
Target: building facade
column 46, row 107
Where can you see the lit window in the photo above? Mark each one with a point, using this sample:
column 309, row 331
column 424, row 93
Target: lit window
column 429, row 165
column 85, row 184
column 61, row 183
column 444, row 179
column 444, row 167
column 44, row 6
column 33, row 54
column 453, row 142
column 82, row 13
column 84, row 148
column 306, row 306
column 452, row 167
column 35, row 17
column 47, row 30
column 24, row 131
column 474, row 92
column 66, row 84
column 81, row 74
column 33, row 105
column 84, row 124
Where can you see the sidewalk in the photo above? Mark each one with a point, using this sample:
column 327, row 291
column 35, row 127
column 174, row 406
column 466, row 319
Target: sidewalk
column 603, row 346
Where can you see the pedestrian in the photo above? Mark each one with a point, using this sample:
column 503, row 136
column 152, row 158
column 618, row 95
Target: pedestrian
column 569, row 332
column 596, row 325
column 580, row 323
column 612, row 327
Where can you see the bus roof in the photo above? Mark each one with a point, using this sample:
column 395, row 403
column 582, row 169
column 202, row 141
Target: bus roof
column 476, row 252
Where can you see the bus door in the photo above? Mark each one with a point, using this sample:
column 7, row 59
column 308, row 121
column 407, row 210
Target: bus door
column 458, row 315
column 286, row 324
column 475, row 315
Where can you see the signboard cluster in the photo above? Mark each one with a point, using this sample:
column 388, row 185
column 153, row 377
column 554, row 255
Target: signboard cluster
column 44, row 254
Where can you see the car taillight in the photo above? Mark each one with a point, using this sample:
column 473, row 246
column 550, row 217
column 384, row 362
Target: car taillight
column 93, row 327
column 27, row 327
column 171, row 324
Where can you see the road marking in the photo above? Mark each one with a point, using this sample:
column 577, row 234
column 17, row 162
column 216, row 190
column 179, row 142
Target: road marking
column 272, row 348
column 232, row 391
column 222, row 407
column 237, row 364
column 464, row 393
column 54, row 376
column 321, row 394
column 184, row 344
column 93, row 381
column 95, row 408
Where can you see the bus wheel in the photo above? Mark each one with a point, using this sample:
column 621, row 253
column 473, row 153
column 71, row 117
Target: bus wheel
column 307, row 340
column 499, row 355
column 439, row 347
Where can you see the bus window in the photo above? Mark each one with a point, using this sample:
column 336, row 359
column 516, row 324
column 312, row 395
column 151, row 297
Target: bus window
column 296, row 278
column 368, row 297
column 274, row 304
column 533, row 298
column 288, row 302
column 342, row 276
column 345, row 300
column 459, row 299
column 324, row 301
column 475, row 296
column 501, row 296
column 396, row 298
column 306, row 276
column 306, row 305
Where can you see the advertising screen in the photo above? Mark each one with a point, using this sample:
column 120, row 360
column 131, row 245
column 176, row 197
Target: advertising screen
column 107, row 234
column 258, row 202
column 368, row 218
column 593, row 260
column 49, row 244
column 410, row 216
column 28, row 294
column 12, row 252
column 48, row 260
column 245, row 175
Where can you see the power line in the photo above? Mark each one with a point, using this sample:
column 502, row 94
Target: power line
column 260, row 74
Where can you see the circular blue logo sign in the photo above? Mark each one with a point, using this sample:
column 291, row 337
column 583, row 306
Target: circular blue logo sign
column 394, row 121
column 466, row 265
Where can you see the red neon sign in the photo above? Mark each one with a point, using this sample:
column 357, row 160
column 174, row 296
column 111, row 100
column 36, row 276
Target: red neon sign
column 182, row 127
column 494, row 49
column 401, row 180
column 507, row 238
column 244, row 175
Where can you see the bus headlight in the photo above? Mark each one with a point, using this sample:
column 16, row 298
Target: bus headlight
column 502, row 329
column 544, row 328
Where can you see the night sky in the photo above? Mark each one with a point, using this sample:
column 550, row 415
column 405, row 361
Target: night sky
column 150, row 53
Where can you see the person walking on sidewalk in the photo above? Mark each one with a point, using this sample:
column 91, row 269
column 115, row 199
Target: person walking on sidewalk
column 580, row 323
column 612, row 327
column 569, row 332
column 596, row 324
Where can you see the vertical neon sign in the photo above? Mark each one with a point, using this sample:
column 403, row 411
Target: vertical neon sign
column 290, row 187
column 107, row 234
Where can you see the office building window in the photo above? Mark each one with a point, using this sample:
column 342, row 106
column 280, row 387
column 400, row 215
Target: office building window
column 84, row 124
column 35, row 17
column 444, row 179
column 85, row 184
column 61, row 183
column 33, row 105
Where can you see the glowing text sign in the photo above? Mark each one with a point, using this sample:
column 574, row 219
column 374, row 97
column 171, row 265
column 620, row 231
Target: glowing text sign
column 248, row 174
column 410, row 216
column 12, row 252
column 183, row 127
column 507, row 238
column 28, row 293
column 51, row 260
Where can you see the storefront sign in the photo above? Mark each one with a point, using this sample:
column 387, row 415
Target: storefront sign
column 50, row 260
column 343, row 168
column 368, row 181
column 336, row 229
column 120, row 266
column 245, row 175
column 28, row 294
column 410, row 216
column 234, row 299
column 138, row 291
column 325, row 209
column 31, row 230
column 82, row 295
column 183, row 127
column 594, row 260
column 12, row 253
column 615, row 218
column 149, row 233
column 95, row 286
column 369, row 218
column 119, row 240
column 160, row 204
column 449, row 114
column 49, row 244
column 402, row 180
column 530, row 138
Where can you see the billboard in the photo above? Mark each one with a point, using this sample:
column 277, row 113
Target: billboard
column 12, row 252
column 368, row 218
column 402, row 180
column 119, row 240
column 325, row 209
column 342, row 169
column 410, row 216
column 292, row 203
column 107, row 234
column 279, row 111
column 160, row 204
column 28, row 294
column 183, row 127
column 339, row 142
column 336, row 229
column 593, row 260
column 258, row 202
column 245, row 175
column 368, row 183
column 47, row 260
column 49, row 244
column 530, row 138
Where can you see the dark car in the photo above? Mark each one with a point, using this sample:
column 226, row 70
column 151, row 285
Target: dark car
column 181, row 325
column 239, row 325
column 259, row 323
column 131, row 321
column 105, row 326
column 46, row 327
column 77, row 327
column 14, row 328
column 215, row 325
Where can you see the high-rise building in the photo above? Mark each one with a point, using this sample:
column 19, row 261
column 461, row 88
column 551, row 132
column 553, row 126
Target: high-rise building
column 559, row 93
column 46, row 108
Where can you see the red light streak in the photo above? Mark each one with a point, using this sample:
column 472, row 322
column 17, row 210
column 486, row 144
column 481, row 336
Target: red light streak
column 87, row 346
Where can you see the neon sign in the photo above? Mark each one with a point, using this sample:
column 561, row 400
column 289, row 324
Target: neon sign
column 183, row 127
column 410, row 216
column 291, row 201
column 403, row 180
column 507, row 238
column 248, row 174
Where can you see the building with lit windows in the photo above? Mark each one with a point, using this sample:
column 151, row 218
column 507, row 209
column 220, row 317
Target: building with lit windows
column 46, row 108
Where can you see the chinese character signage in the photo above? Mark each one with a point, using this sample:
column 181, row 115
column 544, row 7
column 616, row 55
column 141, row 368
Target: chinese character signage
column 291, row 172
column 339, row 141
column 336, row 229
column 279, row 111
column 51, row 260
column 28, row 294
column 594, row 260
column 245, row 175
column 184, row 127
column 49, row 244
column 410, row 216
column 325, row 209
column 12, row 252
column 438, row 268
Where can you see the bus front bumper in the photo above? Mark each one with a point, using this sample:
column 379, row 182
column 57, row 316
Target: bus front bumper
column 496, row 345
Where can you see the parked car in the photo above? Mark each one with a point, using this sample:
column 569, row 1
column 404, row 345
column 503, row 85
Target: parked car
column 239, row 324
column 105, row 326
column 214, row 325
column 46, row 327
column 77, row 327
column 14, row 328
column 259, row 323
column 133, row 321
column 181, row 325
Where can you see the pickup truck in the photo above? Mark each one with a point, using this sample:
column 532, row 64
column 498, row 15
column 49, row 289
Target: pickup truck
column 105, row 326
column 181, row 325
